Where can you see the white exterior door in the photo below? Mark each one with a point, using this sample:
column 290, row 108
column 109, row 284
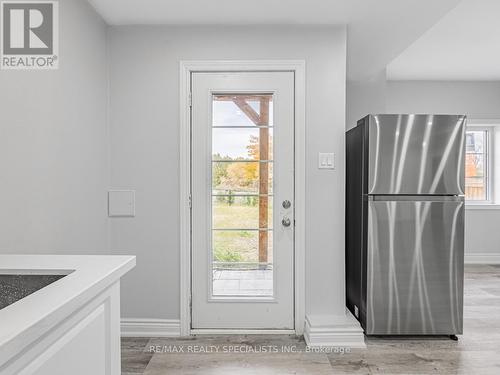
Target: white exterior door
column 242, row 200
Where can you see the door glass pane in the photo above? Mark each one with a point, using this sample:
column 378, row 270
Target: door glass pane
column 239, row 212
column 237, row 177
column 242, row 180
column 239, row 143
column 237, row 270
column 240, row 110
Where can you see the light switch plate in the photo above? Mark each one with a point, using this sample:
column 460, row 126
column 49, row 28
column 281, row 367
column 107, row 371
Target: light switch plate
column 121, row 203
column 326, row 160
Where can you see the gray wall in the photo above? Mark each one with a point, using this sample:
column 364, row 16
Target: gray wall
column 478, row 100
column 144, row 114
column 53, row 145
column 365, row 97
column 108, row 118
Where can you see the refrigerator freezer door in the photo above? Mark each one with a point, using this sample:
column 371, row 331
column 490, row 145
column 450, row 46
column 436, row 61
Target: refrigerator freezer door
column 416, row 154
column 415, row 267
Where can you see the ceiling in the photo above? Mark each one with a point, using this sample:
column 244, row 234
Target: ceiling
column 378, row 30
column 463, row 45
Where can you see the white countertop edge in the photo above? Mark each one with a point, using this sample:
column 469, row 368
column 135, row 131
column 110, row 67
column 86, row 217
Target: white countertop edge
column 28, row 319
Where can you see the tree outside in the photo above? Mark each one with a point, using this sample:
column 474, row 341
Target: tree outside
column 233, row 179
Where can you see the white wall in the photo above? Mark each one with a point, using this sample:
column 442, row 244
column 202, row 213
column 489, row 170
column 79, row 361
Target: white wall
column 144, row 114
column 53, row 145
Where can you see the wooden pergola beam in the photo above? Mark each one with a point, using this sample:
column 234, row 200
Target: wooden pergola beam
column 253, row 97
column 259, row 119
column 264, row 181
column 248, row 110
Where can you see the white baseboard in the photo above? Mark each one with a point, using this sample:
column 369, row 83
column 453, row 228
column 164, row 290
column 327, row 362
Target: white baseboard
column 482, row 258
column 334, row 331
column 150, row 328
column 205, row 331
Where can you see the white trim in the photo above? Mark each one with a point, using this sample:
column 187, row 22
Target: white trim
column 483, row 122
column 493, row 154
column 242, row 331
column 150, row 328
column 482, row 258
column 186, row 68
column 488, row 154
column 185, row 199
column 300, row 196
column 479, row 206
column 334, row 331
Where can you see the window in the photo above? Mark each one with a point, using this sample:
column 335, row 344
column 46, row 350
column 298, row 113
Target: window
column 477, row 176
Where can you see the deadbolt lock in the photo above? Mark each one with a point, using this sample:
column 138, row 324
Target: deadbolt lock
column 286, row 222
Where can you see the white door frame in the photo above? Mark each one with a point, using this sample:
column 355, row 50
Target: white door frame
column 186, row 68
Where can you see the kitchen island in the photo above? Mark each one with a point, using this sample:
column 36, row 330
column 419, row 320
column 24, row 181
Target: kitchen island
column 71, row 325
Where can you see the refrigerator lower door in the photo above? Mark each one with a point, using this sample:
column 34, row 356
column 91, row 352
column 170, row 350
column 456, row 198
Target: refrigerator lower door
column 415, row 266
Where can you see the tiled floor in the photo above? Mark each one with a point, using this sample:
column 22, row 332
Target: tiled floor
column 476, row 352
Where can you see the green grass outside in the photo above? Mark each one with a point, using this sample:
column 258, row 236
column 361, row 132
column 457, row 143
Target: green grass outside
column 236, row 246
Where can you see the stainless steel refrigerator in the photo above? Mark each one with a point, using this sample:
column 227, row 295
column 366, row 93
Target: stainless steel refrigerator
column 405, row 224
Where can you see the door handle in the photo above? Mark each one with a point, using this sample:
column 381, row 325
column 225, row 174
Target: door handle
column 286, row 222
